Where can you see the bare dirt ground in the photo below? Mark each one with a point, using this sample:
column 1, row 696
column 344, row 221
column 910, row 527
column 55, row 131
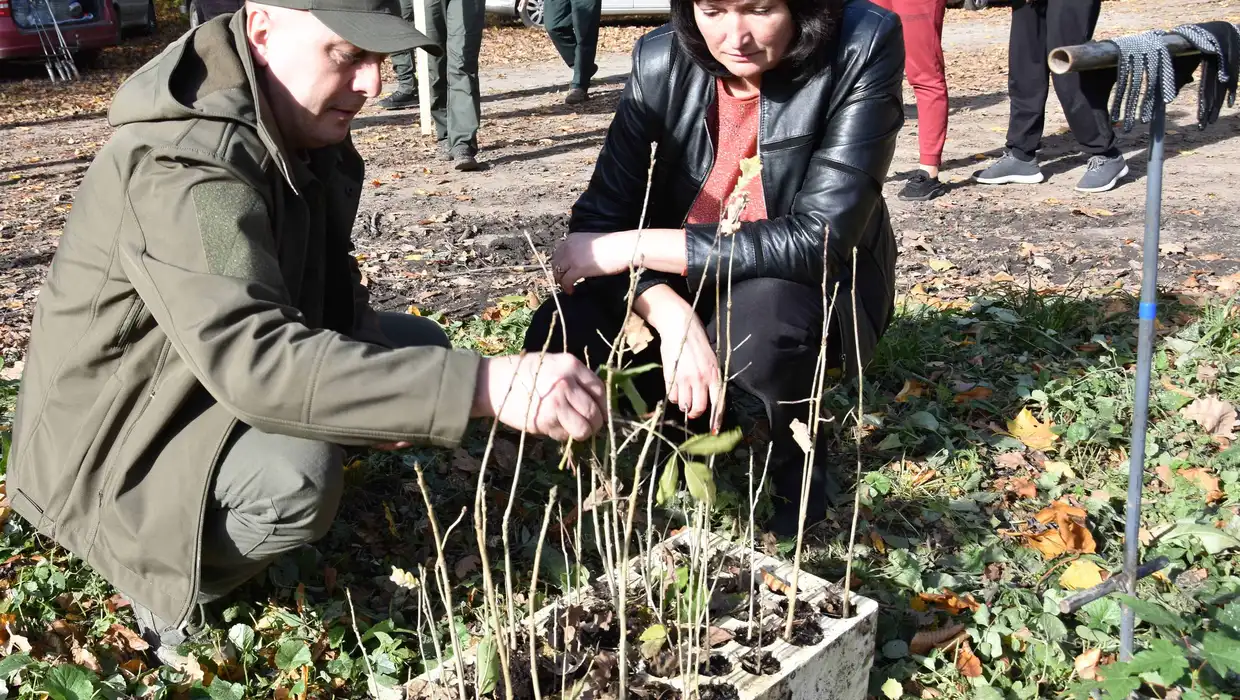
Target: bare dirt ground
column 447, row 241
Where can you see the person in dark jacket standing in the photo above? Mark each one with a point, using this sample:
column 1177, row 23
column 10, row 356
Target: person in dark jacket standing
column 813, row 89
column 203, row 345
column 573, row 28
column 1037, row 27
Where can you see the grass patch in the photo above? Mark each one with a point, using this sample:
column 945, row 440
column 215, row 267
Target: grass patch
column 949, row 535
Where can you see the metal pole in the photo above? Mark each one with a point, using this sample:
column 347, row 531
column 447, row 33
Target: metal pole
column 1145, row 350
column 1105, row 54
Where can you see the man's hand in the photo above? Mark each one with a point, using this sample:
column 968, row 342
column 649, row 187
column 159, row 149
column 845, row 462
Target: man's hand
column 551, row 394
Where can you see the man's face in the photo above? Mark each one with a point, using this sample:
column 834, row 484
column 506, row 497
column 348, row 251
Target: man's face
column 315, row 81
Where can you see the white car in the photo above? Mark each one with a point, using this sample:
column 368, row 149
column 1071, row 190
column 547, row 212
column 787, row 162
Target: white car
column 531, row 11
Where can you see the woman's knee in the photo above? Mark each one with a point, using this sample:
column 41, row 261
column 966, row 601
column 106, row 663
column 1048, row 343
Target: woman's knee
column 776, row 327
column 409, row 331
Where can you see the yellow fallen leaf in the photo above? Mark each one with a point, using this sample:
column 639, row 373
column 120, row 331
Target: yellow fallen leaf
column 1080, row 575
column 1033, row 433
column 1062, row 469
column 911, row 387
column 877, row 541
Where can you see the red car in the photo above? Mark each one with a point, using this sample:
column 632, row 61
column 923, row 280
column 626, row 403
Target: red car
column 87, row 26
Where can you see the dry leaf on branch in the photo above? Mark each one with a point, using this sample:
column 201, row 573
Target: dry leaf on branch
column 466, row 566
column 775, row 583
column 925, row 640
column 1081, row 574
column 1217, row 417
column 637, row 334
column 1032, row 432
column 800, row 433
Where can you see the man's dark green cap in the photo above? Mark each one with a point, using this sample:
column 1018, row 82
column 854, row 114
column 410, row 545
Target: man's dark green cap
column 370, row 25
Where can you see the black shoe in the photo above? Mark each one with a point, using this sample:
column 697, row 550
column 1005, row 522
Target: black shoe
column 825, row 492
column 401, row 99
column 464, row 160
column 921, row 187
column 576, row 96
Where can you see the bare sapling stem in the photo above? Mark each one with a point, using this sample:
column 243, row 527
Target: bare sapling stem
column 852, row 534
column 624, row 551
column 424, row 600
column 753, row 535
column 542, row 537
column 441, row 567
column 815, row 409
column 370, row 671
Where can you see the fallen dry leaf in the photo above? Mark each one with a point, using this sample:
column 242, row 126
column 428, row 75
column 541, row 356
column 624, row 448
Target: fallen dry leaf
column 1093, row 213
column 947, row 600
column 977, row 393
column 923, row 477
column 121, row 636
column 466, row 565
column 925, row 640
column 1021, row 488
column 876, row 540
column 1217, row 417
column 1204, row 480
column 1032, row 432
column 775, row 583
column 462, row 460
column 1011, row 460
column 1080, row 575
column 1086, row 664
column 716, row 636
column 911, row 388
column 1069, row 533
column 967, row 662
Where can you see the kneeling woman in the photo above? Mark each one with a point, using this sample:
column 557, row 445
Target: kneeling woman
column 813, row 88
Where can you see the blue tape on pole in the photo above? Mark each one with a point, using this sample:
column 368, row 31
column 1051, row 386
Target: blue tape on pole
column 1147, row 311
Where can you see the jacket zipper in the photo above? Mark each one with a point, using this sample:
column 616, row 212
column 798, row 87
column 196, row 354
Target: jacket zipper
column 130, row 320
column 759, row 263
column 710, row 140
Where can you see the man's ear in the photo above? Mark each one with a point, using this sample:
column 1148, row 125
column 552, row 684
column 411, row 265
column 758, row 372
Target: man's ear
column 258, row 31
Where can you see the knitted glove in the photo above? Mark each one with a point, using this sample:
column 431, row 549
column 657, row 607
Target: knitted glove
column 1143, row 58
column 976, row 4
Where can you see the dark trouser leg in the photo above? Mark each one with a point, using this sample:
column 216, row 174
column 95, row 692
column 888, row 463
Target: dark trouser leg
column 776, row 334
column 464, row 19
column 437, row 31
column 402, row 62
column 1028, row 77
column 586, row 17
column 273, row 493
column 558, row 21
column 1082, row 95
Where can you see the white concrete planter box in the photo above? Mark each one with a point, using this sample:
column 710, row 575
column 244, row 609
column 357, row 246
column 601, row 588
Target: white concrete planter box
column 835, row 668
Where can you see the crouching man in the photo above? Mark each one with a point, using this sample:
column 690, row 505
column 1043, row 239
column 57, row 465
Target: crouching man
column 203, row 346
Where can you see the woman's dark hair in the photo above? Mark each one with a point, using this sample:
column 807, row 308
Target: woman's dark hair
column 809, row 52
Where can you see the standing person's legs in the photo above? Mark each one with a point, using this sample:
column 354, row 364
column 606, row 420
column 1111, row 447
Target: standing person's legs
column 403, row 66
column 923, row 61
column 1082, row 95
column 464, row 19
column 1028, row 78
column 437, row 31
column 586, row 15
column 558, row 21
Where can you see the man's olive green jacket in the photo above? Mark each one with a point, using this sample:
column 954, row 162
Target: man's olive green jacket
column 205, row 278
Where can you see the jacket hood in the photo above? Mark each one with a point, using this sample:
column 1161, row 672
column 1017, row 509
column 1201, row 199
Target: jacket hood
column 206, row 74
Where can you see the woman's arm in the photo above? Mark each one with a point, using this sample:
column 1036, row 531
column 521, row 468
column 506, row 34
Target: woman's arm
column 840, row 193
column 591, row 255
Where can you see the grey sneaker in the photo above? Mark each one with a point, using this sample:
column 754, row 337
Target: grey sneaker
column 1010, row 169
column 463, row 158
column 1101, row 173
column 444, row 152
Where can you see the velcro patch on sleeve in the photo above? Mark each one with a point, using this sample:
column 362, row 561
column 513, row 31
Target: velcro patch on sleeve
column 235, row 231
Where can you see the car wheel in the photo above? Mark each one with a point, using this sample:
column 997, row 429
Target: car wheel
column 532, row 14
column 195, row 14
column 151, row 23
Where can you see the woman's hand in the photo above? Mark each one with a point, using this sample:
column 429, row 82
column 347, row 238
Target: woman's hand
column 690, row 368
column 585, row 255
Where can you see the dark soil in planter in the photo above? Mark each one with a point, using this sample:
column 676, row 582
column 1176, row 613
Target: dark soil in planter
column 718, row 691
column 806, row 633
column 760, row 663
column 654, row 690
column 760, row 637
column 716, row 665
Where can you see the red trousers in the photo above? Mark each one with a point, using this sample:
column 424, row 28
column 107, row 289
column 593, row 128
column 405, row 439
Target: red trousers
column 923, row 65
